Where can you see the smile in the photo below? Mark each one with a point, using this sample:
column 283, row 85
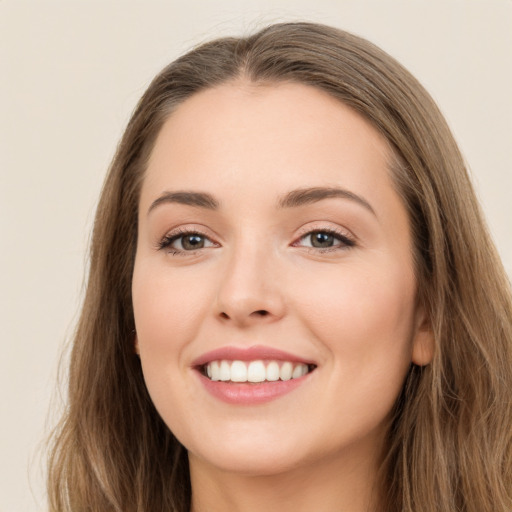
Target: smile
column 255, row 371
column 252, row 375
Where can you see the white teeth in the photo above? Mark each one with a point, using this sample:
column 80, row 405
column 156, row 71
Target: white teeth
column 225, row 371
column 254, row 371
column 238, row 371
column 286, row 371
column 272, row 371
column 297, row 372
column 215, row 371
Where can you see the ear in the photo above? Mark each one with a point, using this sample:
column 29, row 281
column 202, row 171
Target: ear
column 423, row 343
column 136, row 345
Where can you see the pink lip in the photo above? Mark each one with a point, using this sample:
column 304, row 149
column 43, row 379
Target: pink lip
column 249, row 393
column 248, row 354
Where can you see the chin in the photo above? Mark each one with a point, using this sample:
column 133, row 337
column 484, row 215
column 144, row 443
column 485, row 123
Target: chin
column 251, row 462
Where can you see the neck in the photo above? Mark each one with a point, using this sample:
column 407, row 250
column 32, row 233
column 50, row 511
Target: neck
column 349, row 485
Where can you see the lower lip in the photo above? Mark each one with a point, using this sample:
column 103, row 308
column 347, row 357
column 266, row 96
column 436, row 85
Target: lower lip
column 245, row 393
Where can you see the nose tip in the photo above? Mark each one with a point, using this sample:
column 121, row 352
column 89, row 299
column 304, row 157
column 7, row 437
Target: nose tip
column 243, row 313
column 249, row 293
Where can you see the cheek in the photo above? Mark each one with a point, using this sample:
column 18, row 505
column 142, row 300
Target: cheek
column 364, row 317
column 166, row 307
column 365, row 321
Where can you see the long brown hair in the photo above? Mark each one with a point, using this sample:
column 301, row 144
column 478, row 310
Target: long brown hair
column 450, row 443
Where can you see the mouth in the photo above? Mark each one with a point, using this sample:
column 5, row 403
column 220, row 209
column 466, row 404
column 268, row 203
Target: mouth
column 254, row 372
column 253, row 375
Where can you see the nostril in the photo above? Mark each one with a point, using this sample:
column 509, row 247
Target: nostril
column 260, row 313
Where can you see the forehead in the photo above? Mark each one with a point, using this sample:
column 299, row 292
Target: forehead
column 268, row 139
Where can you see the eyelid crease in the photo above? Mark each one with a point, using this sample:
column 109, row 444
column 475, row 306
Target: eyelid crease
column 170, row 237
column 344, row 236
column 320, row 227
column 347, row 240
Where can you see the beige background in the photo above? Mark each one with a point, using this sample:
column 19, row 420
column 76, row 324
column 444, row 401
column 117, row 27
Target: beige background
column 70, row 74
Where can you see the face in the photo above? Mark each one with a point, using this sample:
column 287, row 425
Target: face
column 273, row 289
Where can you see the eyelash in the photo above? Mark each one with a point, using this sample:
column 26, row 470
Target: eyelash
column 346, row 242
column 169, row 239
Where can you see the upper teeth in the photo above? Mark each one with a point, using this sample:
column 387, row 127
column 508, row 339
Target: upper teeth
column 254, row 371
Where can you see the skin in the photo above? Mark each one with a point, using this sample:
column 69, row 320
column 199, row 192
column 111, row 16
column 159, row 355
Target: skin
column 257, row 281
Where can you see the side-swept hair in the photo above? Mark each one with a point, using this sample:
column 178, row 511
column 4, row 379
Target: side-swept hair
column 450, row 442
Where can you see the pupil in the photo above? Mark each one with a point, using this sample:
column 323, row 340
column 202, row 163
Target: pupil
column 322, row 240
column 193, row 242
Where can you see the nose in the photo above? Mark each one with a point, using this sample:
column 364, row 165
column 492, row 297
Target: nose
column 250, row 291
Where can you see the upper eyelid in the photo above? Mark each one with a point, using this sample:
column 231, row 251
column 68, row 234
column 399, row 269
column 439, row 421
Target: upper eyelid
column 302, row 232
column 193, row 229
column 345, row 240
column 177, row 236
column 337, row 230
column 165, row 241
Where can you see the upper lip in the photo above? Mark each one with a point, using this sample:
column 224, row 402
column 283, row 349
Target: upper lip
column 253, row 353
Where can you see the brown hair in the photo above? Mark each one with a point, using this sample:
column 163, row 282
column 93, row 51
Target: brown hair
column 450, row 441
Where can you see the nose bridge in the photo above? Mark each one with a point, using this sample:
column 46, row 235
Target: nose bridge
column 248, row 288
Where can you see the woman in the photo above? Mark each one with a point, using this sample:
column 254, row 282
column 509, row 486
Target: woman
column 293, row 300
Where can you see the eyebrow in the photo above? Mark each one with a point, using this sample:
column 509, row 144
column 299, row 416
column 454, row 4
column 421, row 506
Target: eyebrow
column 293, row 199
column 198, row 199
column 304, row 196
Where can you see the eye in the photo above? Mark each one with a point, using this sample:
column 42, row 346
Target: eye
column 185, row 242
column 325, row 239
